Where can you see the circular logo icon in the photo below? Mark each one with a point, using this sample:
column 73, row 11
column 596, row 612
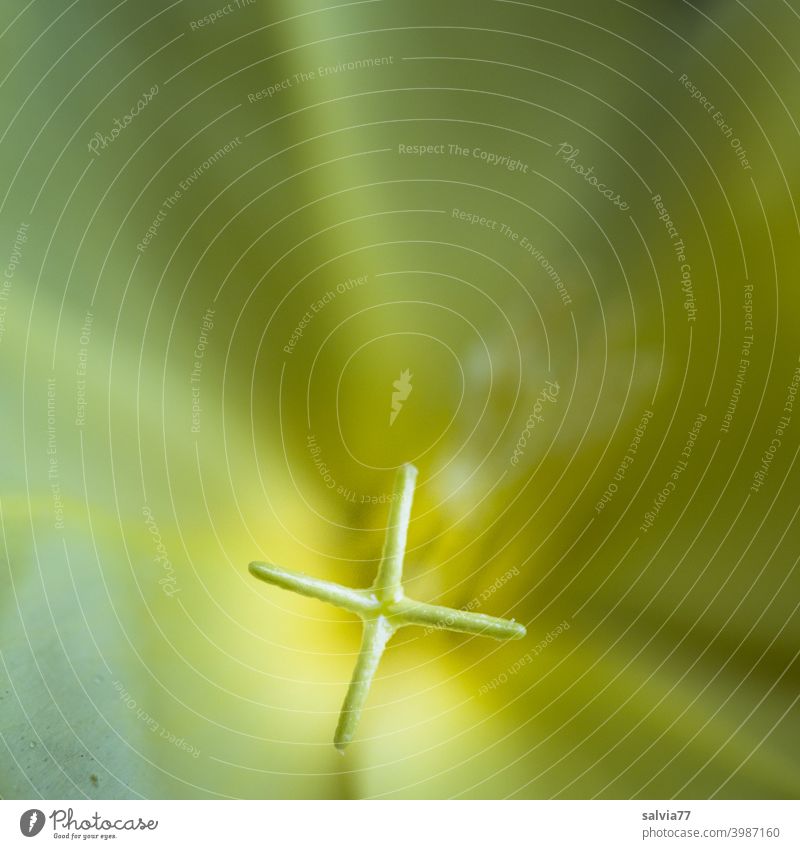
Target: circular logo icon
column 31, row 822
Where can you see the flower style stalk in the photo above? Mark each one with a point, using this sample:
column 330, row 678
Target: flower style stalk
column 384, row 607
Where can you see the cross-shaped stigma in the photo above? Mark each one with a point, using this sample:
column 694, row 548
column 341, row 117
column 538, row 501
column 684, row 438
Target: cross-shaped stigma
column 384, row 606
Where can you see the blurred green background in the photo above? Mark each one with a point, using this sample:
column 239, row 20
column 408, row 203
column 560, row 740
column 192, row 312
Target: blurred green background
column 174, row 405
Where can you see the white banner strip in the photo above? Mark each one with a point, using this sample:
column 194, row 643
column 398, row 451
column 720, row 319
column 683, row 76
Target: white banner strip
column 403, row 824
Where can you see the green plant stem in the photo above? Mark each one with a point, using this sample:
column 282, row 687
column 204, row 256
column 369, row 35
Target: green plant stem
column 362, row 602
column 377, row 632
column 384, row 607
column 388, row 586
column 411, row 612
